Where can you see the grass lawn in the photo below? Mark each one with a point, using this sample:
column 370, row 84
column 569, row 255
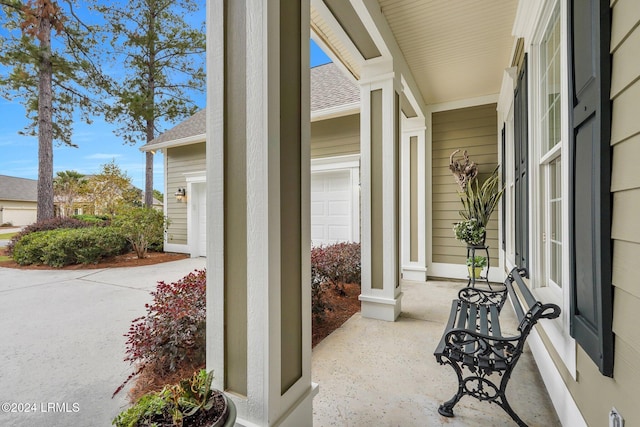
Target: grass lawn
column 5, row 236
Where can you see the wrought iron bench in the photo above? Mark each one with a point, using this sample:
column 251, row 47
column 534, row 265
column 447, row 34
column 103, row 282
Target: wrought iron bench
column 474, row 345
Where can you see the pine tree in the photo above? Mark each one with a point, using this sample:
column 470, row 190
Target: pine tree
column 163, row 61
column 45, row 53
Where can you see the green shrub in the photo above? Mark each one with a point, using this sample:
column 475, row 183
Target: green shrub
column 94, row 219
column 143, row 227
column 30, row 248
column 48, row 224
column 58, row 248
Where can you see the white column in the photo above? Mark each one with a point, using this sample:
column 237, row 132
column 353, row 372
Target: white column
column 412, row 198
column 258, row 239
column 380, row 151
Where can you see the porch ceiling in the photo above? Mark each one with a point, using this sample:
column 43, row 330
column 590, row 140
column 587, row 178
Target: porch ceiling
column 455, row 49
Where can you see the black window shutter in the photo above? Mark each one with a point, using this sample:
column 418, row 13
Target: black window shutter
column 521, row 161
column 590, row 177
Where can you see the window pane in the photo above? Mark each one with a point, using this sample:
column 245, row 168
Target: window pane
column 555, row 221
column 550, row 69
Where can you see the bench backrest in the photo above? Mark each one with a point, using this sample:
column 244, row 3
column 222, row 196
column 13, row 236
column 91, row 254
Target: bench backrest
column 520, row 293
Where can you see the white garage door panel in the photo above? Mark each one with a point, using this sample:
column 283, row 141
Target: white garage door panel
column 339, row 233
column 339, row 208
column 331, row 207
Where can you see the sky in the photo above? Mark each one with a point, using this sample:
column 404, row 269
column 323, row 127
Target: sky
column 97, row 144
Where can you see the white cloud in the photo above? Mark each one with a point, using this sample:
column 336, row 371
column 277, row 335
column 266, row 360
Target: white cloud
column 103, row 156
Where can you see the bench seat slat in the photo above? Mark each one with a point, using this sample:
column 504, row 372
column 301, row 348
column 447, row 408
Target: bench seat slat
column 472, row 325
column 483, row 327
column 495, row 330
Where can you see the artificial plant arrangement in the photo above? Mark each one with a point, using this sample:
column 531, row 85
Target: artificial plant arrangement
column 478, row 200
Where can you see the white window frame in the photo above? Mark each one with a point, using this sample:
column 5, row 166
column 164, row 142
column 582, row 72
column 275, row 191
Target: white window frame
column 556, row 330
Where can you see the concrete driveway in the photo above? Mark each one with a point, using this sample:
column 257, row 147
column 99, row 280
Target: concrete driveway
column 62, row 343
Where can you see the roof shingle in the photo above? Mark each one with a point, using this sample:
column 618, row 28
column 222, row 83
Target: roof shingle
column 18, row 189
column 329, row 88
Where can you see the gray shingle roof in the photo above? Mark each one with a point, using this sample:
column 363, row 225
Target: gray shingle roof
column 19, row 189
column 329, row 88
column 194, row 125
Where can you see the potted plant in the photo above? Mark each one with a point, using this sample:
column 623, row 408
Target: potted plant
column 475, row 265
column 470, row 231
column 191, row 402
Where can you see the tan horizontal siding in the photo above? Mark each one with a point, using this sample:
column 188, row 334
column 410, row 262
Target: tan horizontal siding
column 181, row 160
column 625, row 266
column 472, row 129
column 625, row 308
column 625, row 158
column 335, row 137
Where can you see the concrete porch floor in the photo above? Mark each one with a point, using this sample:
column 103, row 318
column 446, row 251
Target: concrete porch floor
column 376, row 373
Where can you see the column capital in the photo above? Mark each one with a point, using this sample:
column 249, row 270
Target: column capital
column 379, row 70
column 413, row 125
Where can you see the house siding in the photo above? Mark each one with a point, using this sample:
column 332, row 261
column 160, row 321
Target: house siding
column 472, row 129
column 621, row 391
column 181, row 160
column 335, row 137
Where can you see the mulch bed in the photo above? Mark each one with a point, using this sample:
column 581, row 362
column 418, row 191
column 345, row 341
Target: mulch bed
column 343, row 307
column 125, row 260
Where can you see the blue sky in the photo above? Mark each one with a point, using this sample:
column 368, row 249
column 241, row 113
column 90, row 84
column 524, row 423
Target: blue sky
column 97, row 144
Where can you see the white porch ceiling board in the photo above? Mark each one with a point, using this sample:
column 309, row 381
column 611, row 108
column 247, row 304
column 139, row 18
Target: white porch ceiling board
column 455, row 49
column 325, row 33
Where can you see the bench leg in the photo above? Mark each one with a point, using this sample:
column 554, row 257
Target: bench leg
column 504, row 403
column 446, row 409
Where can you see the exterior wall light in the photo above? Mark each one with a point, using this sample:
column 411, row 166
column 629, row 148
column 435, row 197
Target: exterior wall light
column 181, row 194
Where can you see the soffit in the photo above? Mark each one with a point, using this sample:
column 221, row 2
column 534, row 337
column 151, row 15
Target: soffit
column 454, row 49
column 331, row 40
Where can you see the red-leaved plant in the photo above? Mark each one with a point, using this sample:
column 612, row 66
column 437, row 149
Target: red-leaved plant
column 331, row 267
column 338, row 263
column 171, row 335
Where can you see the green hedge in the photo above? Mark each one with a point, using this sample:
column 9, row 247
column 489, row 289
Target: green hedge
column 61, row 247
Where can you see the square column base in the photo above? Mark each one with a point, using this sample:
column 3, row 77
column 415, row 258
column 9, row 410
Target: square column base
column 415, row 274
column 380, row 308
column 300, row 414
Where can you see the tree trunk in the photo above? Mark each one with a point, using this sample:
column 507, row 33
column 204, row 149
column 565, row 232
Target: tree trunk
column 151, row 88
column 45, row 125
column 148, row 180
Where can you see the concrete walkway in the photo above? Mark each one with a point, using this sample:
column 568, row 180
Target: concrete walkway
column 62, row 343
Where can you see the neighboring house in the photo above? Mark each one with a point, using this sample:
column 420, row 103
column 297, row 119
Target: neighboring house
column 335, row 165
column 84, row 203
column 526, row 84
column 18, row 200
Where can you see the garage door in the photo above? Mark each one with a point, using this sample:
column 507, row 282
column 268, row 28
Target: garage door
column 332, row 207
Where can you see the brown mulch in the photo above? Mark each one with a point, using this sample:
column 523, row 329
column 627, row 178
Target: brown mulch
column 343, row 307
column 125, row 260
